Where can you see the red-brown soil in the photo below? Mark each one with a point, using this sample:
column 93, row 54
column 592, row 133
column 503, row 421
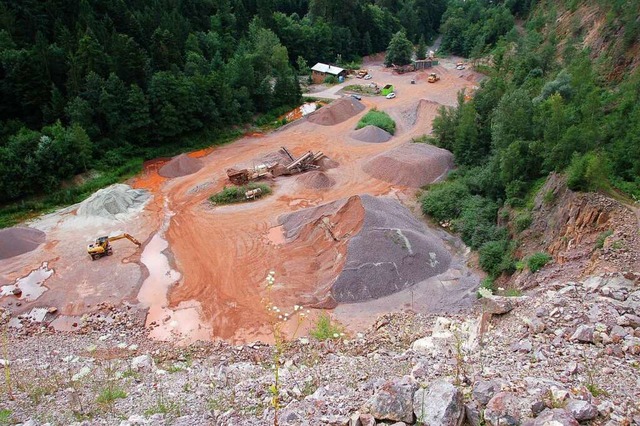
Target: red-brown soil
column 224, row 253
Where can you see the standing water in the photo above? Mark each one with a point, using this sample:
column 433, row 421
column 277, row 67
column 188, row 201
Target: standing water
column 182, row 323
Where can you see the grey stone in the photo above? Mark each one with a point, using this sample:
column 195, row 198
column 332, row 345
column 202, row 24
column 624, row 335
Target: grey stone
column 522, row 346
column 142, row 362
column 472, row 414
column 538, row 407
column 629, row 320
column 584, row 334
column 500, row 304
column 439, row 405
column 367, row 420
column 502, row 410
column 581, row 410
column 553, row 417
column 484, row 390
column 393, row 401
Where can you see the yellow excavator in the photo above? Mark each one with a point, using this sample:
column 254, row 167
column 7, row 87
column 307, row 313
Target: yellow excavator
column 102, row 246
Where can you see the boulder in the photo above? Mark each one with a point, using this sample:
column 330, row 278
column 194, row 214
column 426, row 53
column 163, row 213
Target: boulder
column 581, row 410
column 553, row 417
column 502, row 410
column 500, row 304
column 584, row 334
column 142, row 362
column 393, row 401
column 484, row 390
column 439, row 405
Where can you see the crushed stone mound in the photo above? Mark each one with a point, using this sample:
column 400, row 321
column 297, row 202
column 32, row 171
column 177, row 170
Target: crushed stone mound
column 113, row 202
column 182, row 165
column 386, row 249
column 316, row 180
column 336, row 112
column 372, row 134
column 392, row 251
column 19, row 240
column 327, row 163
column 413, row 165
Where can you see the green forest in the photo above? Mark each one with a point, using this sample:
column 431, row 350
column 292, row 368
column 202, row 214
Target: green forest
column 547, row 106
column 103, row 84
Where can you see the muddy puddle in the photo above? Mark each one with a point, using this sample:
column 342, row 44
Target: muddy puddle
column 31, row 286
column 182, row 323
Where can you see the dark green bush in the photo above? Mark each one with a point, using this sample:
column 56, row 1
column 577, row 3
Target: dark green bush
column 523, row 221
column 444, row 201
column 492, row 255
column 379, row 119
column 236, row 194
column 537, row 261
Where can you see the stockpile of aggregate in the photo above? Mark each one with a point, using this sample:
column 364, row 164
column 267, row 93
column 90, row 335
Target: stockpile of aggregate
column 371, row 134
column 182, row 165
column 336, row 112
column 412, row 164
column 387, row 249
column 19, row 240
column 113, row 202
column 316, row 180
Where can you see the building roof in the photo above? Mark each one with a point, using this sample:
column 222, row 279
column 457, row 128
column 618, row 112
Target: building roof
column 327, row 69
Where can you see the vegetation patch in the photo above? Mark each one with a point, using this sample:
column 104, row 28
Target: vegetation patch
column 324, row 329
column 239, row 194
column 602, row 237
column 537, row 261
column 379, row 119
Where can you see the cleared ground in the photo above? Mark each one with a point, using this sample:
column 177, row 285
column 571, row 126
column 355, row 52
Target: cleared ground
column 201, row 270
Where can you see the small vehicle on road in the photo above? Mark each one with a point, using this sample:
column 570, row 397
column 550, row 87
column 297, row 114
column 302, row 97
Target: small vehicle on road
column 391, row 95
column 358, row 97
column 459, row 66
column 368, row 77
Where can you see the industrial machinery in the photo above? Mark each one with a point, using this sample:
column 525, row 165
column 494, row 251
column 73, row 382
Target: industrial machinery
column 304, row 163
column 433, row 77
column 102, row 246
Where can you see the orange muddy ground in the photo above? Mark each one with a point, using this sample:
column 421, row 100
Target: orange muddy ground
column 217, row 258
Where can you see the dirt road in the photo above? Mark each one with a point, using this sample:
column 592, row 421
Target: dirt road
column 215, row 259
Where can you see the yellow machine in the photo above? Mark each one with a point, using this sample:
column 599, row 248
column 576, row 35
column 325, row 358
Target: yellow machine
column 433, row 77
column 102, row 246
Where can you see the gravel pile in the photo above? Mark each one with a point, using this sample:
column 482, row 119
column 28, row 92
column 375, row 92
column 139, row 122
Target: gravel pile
column 392, row 251
column 182, row 165
column 316, row 180
column 113, row 202
column 413, row 165
column 336, row 112
column 19, row 240
column 371, row 134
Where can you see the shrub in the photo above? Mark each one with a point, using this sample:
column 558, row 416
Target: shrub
column 324, row 329
column 487, row 284
column 379, row 119
column 603, row 236
column 587, row 172
column 491, row 258
column 236, row 194
column 331, row 79
column 110, row 394
column 523, row 221
column 537, row 261
column 444, row 201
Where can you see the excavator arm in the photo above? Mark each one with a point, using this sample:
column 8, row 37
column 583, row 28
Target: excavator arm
column 127, row 236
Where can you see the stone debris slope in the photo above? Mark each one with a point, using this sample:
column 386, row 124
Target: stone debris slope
column 567, row 353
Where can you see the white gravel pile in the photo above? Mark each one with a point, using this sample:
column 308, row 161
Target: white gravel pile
column 115, row 202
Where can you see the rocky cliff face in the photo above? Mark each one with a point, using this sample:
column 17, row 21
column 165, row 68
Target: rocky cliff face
column 585, row 233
